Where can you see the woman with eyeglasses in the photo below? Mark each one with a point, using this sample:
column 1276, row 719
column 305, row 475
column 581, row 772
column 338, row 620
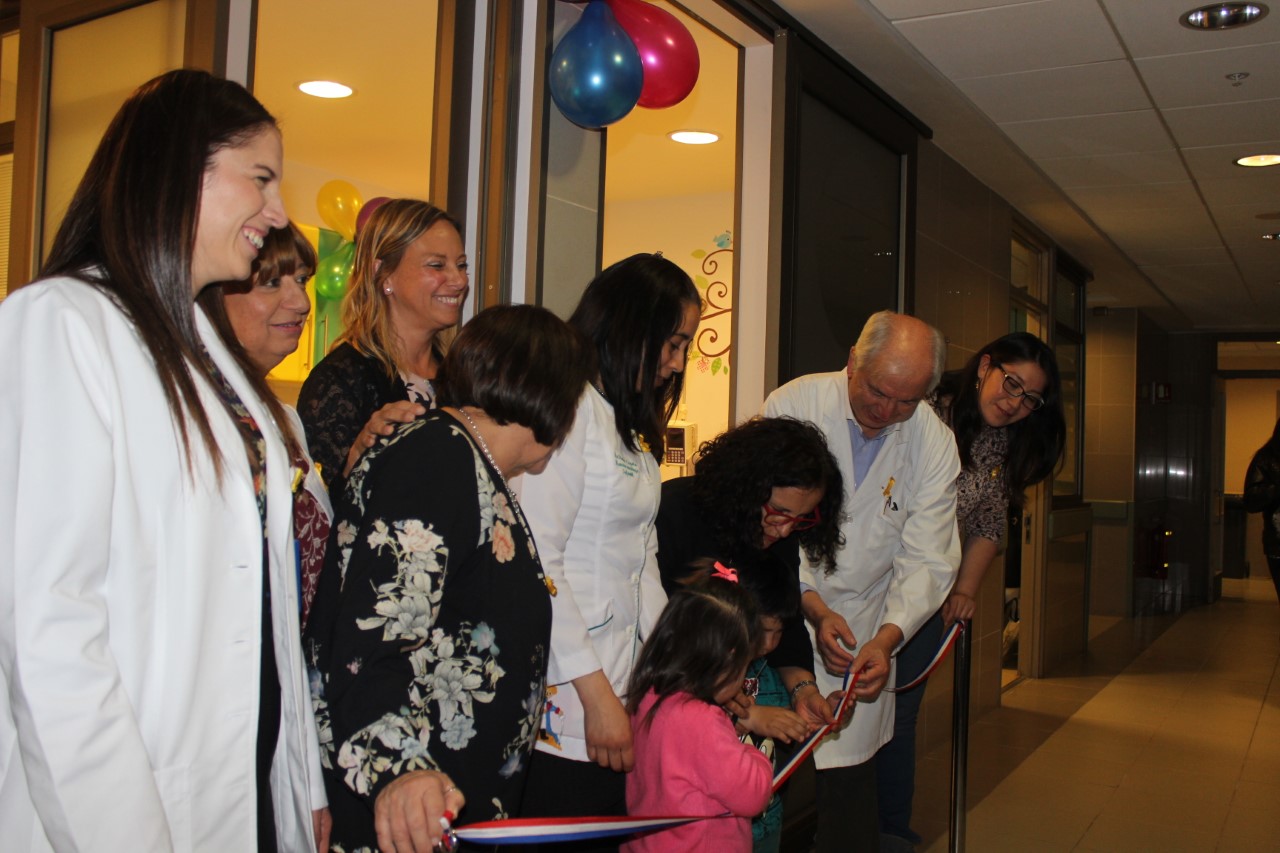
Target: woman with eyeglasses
column 1005, row 408
column 759, row 493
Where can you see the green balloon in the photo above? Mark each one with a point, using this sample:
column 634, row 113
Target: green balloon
column 335, row 271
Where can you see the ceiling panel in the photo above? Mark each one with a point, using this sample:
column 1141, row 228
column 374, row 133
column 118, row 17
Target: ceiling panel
column 1198, row 79
column 1123, row 198
column 1151, row 28
column 901, row 9
column 1050, row 34
column 1261, row 190
column 1225, row 124
column 1115, row 170
column 1108, row 125
column 1185, row 256
column 1102, row 87
column 1083, row 136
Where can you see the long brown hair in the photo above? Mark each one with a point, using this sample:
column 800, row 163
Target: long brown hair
column 130, row 229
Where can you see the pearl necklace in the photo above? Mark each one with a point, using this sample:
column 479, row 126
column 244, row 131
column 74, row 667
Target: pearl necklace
column 484, row 448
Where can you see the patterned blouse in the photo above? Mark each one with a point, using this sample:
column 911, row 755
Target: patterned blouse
column 338, row 398
column 429, row 633
column 982, row 500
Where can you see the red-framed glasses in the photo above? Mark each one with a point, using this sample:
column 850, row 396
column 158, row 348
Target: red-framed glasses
column 773, row 515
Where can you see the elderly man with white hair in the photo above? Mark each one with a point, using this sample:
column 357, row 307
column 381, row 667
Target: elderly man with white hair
column 901, row 550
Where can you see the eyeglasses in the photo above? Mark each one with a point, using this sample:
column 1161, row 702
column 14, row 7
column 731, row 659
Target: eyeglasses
column 773, row 515
column 1014, row 388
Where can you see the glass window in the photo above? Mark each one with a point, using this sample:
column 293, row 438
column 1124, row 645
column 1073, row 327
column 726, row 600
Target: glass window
column 1067, row 305
column 85, row 92
column 8, row 76
column 1069, row 352
column 1028, row 268
column 378, row 141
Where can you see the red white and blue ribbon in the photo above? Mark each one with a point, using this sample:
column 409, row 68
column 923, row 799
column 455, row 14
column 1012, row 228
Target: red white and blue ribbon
column 541, row 830
column 948, row 640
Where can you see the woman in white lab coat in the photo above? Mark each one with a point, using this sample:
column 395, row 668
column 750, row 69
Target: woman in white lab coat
column 592, row 512
column 155, row 696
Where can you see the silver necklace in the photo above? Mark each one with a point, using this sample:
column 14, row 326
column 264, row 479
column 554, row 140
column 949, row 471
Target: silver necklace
column 484, row 448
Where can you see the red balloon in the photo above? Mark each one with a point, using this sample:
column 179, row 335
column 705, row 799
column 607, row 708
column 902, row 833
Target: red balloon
column 667, row 51
column 367, row 210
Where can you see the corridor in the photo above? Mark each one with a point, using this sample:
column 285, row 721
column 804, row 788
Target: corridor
column 1166, row 738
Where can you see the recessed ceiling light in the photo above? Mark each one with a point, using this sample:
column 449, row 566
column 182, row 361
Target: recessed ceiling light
column 325, row 89
column 693, row 137
column 1259, row 160
column 1223, row 16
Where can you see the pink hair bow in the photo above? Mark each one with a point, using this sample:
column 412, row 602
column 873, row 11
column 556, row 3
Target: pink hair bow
column 724, row 572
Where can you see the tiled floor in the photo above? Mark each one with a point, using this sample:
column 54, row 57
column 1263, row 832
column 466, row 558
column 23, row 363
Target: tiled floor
column 1175, row 749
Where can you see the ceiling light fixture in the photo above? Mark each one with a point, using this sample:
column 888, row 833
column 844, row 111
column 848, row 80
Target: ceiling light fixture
column 1257, row 160
column 1271, row 236
column 693, row 137
column 325, row 89
column 1223, row 16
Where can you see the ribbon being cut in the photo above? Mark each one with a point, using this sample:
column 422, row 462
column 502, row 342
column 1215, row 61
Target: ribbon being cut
column 547, row 830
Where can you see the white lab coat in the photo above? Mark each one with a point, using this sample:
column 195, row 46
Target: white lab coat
column 131, row 600
column 901, row 551
column 592, row 514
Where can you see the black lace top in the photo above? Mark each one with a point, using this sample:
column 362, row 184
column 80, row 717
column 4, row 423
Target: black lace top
column 335, row 403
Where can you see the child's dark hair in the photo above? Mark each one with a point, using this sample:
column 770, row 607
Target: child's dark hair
column 773, row 587
column 704, row 639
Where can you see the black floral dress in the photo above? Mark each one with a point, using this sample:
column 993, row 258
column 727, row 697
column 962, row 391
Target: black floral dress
column 429, row 633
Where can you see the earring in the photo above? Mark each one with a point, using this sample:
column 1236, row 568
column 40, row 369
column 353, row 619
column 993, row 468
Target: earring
column 977, row 383
column 387, row 290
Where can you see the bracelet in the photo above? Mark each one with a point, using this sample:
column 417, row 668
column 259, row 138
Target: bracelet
column 802, row 685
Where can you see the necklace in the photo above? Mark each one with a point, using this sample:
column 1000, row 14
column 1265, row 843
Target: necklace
column 484, row 448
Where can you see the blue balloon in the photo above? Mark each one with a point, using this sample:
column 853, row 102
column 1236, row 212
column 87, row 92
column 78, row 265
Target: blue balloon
column 596, row 73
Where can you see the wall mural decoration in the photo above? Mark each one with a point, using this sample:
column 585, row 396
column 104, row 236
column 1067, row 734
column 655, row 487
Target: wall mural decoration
column 710, row 354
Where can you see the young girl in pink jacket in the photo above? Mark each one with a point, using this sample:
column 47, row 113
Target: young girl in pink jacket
column 688, row 757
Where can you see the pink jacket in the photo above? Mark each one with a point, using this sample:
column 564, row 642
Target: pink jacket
column 689, row 762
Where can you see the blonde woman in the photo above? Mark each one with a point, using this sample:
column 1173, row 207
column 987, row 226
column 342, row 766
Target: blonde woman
column 408, row 285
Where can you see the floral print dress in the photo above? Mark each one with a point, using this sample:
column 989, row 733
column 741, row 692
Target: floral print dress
column 429, row 633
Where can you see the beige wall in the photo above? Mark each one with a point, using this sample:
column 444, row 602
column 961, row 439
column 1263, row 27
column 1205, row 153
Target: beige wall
column 963, row 234
column 1252, row 408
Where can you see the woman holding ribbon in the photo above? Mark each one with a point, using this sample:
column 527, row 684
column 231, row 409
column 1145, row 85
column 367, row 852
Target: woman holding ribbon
column 1005, row 408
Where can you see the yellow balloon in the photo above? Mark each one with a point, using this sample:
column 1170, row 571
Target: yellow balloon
column 338, row 203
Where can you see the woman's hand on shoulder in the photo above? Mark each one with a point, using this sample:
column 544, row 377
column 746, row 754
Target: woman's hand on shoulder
column 777, row 723
column 381, row 424
column 408, row 812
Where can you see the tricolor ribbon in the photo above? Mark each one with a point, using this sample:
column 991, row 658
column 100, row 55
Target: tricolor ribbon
column 539, row 830
column 948, row 640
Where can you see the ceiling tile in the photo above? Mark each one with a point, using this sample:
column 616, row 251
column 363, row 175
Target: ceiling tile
column 1218, row 162
column 1151, row 28
column 1083, row 136
column 1225, row 123
column 1103, row 87
column 1264, row 193
column 1197, row 79
column 1138, row 197
column 896, row 10
column 1157, row 228
column 1050, row 34
column 1182, row 256
column 1115, row 170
